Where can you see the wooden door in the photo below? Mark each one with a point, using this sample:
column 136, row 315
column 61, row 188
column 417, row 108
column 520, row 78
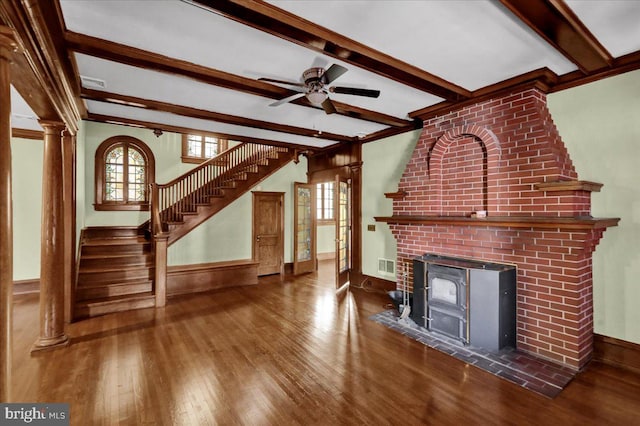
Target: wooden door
column 304, row 234
column 268, row 232
column 342, row 200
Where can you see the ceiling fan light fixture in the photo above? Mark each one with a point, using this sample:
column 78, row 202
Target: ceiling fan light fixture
column 316, row 97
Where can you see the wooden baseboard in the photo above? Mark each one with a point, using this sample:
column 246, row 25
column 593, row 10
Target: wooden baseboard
column 367, row 282
column 183, row 279
column 26, row 286
column 616, row 352
column 326, row 256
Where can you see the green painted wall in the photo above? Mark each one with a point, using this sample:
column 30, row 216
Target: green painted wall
column 383, row 164
column 166, row 149
column 600, row 125
column 26, row 164
column 326, row 238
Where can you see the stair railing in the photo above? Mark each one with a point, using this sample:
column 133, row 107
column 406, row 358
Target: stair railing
column 170, row 200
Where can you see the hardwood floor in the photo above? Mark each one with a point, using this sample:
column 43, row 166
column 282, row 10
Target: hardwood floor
column 280, row 353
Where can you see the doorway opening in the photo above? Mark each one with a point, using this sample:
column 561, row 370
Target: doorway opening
column 322, row 220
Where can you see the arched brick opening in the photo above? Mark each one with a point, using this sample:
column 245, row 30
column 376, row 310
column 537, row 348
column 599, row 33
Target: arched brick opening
column 459, row 165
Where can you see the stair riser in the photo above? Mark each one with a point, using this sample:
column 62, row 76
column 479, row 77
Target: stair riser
column 108, row 232
column 87, row 310
column 117, row 262
column 88, row 293
column 116, row 249
column 116, row 276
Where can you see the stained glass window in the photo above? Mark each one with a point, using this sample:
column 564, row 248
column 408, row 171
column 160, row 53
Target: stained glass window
column 120, row 186
column 124, row 169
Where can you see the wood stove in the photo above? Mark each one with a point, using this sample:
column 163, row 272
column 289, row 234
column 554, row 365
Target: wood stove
column 471, row 301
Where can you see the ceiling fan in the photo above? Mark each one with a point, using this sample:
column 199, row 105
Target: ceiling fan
column 314, row 86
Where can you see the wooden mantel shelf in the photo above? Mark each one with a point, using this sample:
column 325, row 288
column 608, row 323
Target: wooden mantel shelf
column 541, row 222
column 569, row 185
column 398, row 195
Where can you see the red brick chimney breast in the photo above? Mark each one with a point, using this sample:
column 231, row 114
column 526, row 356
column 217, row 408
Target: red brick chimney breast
column 505, row 156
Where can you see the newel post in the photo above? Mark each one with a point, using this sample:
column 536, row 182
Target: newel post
column 52, row 256
column 160, row 242
column 7, row 45
column 160, row 279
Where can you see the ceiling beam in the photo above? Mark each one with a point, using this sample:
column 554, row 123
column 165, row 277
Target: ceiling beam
column 27, row 134
column 101, row 96
column 417, row 124
column 278, row 22
column 101, row 118
column 622, row 64
column 543, row 79
column 42, row 72
column 127, row 55
column 554, row 21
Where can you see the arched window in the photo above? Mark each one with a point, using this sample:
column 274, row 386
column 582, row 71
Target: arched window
column 124, row 169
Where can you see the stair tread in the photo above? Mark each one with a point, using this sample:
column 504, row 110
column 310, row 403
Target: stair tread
column 115, row 242
column 117, row 268
column 133, row 281
column 116, row 299
column 110, row 255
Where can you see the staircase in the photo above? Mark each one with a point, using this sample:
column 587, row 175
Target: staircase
column 115, row 272
column 118, row 265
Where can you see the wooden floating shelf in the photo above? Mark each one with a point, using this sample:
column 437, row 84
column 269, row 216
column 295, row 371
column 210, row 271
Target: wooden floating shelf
column 398, row 195
column 543, row 222
column 569, row 185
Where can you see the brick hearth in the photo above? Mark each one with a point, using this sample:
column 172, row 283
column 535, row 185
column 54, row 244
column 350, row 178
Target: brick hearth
column 505, row 156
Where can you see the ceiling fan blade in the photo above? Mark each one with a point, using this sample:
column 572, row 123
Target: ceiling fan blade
column 273, row 80
column 328, row 106
column 333, row 72
column 287, row 99
column 355, row 91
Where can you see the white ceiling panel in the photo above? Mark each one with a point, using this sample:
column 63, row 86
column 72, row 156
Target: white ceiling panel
column 616, row 23
column 455, row 40
column 22, row 116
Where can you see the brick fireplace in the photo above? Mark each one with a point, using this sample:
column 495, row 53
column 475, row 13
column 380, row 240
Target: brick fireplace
column 505, row 156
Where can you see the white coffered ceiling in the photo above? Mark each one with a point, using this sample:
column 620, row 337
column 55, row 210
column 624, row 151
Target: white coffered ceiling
column 195, row 64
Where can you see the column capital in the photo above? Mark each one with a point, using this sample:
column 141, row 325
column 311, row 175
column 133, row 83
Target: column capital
column 8, row 42
column 52, row 126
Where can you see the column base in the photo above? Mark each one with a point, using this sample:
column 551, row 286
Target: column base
column 49, row 344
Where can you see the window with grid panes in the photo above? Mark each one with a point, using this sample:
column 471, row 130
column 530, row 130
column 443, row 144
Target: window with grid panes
column 324, row 202
column 197, row 148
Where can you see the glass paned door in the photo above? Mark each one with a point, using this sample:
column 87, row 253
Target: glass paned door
column 305, row 228
column 342, row 201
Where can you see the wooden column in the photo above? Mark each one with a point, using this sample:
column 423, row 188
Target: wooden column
column 52, row 246
column 69, row 177
column 7, row 44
